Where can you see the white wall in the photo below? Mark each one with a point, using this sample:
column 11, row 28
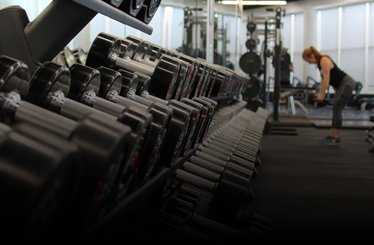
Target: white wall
column 339, row 28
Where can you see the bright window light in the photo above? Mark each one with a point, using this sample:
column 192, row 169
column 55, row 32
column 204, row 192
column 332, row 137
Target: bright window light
column 255, row 2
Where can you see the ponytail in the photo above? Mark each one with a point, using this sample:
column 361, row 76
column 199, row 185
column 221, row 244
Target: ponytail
column 308, row 51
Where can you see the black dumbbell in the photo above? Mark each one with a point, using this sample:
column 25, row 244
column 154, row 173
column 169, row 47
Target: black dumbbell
column 229, row 192
column 143, row 47
column 176, row 131
column 148, row 10
column 39, row 176
column 131, row 7
column 105, row 51
column 183, row 206
column 191, row 107
column 100, row 168
column 211, row 105
column 150, row 52
column 52, row 83
column 161, row 116
column 14, row 74
column 136, row 49
column 149, row 148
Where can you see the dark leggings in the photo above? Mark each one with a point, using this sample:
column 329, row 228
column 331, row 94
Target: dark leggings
column 341, row 99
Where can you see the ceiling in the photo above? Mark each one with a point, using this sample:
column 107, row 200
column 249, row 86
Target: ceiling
column 245, row 7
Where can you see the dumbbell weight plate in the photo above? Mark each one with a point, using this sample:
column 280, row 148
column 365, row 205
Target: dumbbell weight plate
column 146, row 137
column 51, row 77
column 201, row 87
column 68, row 56
column 251, row 44
column 14, row 74
column 131, row 7
column 194, row 117
column 148, row 10
column 105, row 50
column 100, row 168
column 203, row 113
column 210, row 105
column 80, row 55
column 175, row 137
column 40, row 189
column 160, row 125
column 250, row 62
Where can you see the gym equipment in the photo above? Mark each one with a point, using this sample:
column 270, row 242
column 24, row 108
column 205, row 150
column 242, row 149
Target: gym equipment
column 80, row 55
column 194, row 117
column 105, row 51
column 139, row 53
column 173, row 139
column 101, row 170
column 131, row 7
column 148, row 10
column 39, row 178
column 14, row 75
column 51, row 85
column 228, row 192
column 85, row 87
column 180, row 218
column 251, row 43
column 369, row 138
column 250, row 62
column 161, row 116
column 251, row 26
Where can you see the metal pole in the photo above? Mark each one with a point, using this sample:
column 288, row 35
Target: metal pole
column 277, row 51
column 210, row 32
column 264, row 98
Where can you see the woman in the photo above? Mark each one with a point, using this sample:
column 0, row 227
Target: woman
column 342, row 83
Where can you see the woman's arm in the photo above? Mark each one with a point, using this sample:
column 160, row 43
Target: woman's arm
column 326, row 65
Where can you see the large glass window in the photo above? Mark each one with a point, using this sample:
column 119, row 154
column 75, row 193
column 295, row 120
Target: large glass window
column 330, row 33
column 353, row 41
column 298, row 46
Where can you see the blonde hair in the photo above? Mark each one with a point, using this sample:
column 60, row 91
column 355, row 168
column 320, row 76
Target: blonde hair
column 312, row 50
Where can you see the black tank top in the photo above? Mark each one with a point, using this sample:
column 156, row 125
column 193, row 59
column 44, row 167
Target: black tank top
column 336, row 75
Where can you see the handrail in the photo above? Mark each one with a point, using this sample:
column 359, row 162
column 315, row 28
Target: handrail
column 116, row 14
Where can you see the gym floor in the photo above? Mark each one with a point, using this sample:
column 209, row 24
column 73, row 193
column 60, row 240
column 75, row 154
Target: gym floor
column 311, row 192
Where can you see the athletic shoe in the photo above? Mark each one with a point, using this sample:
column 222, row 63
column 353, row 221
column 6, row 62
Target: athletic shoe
column 330, row 141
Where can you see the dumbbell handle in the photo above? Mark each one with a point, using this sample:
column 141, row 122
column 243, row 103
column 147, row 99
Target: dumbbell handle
column 127, row 63
column 195, row 180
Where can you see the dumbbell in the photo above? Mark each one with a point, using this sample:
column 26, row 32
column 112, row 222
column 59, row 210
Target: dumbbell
column 211, row 105
column 203, row 169
column 245, row 143
column 234, row 138
column 100, row 169
column 131, row 7
column 178, row 125
column 105, row 51
column 111, row 81
column 42, row 85
column 201, row 78
column 51, row 85
column 193, row 108
column 183, row 205
column 231, row 147
column 14, row 74
column 139, row 54
column 148, row 10
column 227, row 193
column 161, row 114
column 39, row 176
column 80, row 55
column 150, row 53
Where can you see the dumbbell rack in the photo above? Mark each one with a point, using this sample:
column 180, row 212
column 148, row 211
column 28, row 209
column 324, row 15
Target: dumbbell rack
column 28, row 43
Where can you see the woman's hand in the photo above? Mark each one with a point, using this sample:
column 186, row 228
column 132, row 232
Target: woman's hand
column 319, row 97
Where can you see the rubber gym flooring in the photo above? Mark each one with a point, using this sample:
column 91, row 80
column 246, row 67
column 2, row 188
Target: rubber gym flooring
column 314, row 193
